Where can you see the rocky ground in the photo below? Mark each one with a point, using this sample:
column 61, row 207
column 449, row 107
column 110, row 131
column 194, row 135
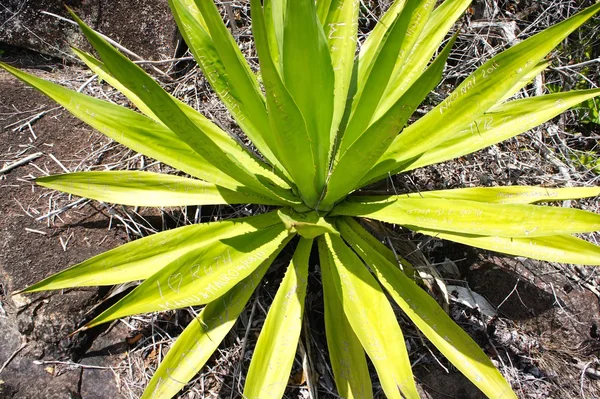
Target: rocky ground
column 537, row 321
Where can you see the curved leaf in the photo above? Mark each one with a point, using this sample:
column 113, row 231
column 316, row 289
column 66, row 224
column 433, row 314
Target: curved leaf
column 500, row 123
column 199, row 276
column 559, row 248
column 395, row 46
column 346, row 353
column 225, row 69
column 147, row 189
column 511, row 194
column 429, row 317
column 434, row 32
column 167, row 110
column 477, row 94
column 140, row 259
column 356, row 161
column 229, row 144
column 372, row 319
column 308, row 75
column 131, row 129
column 471, row 217
column 202, row 336
column 273, row 356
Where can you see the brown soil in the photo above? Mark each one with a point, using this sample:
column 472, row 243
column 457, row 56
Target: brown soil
column 31, row 250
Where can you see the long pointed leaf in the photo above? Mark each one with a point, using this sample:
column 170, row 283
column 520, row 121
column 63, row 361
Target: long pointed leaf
column 511, row 194
column 225, row 68
column 395, row 47
column 559, row 248
column 131, row 129
column 357, row 160
column 147, row 189
column 430, row 318
column 308, row 75
column 226, row 142
column 346, row 353
column 472, row 217
column 140, row 259
column 479, row 92
column 501, row 123
column 340, row 22
column 202, row 336
column 290, row 129
column 199, row 276
column 407, row 72
column 273, row 356
column 372, row 319
column 163, row 106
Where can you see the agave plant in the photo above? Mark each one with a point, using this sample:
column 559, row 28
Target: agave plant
column 326, row 120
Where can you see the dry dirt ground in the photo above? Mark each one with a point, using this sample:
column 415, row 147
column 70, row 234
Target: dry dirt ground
column 541, row 331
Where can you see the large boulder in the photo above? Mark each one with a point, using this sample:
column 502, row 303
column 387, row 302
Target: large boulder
column 145, row 27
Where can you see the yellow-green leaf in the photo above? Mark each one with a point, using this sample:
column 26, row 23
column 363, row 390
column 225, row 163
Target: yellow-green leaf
column 346, row 353
column 199, row 276
column 142, row 258
column 202, row 336
column 558, row 248
column 167, row 110
column 372, row 319
column 148, row 189
column 308, row 75
column 430, row 318
column 407, row 72
column 498, row 124
column 290, row 130
column 511, row 194
column 225, row 141
column 273, row 356
column 478, row 93
column 471, row 217
column 131, row 129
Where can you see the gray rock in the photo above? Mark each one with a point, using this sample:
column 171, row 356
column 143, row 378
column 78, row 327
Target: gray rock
column 145, row 27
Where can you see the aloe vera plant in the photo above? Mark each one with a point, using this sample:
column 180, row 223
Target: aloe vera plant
column 327, row 121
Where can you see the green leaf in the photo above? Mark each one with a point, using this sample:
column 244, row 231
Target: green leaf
column 478, row 93
column 199, row 276
column 471, row 217
column 357, row 160
column 273, row 356
column 167, row 110
column 290, row 129
column 226, row 142
column 308, row 75
column 147, row 189
column 395, row 46
column 511, row 194
column 307, row 224
column 429, row 317
column 140, row 259
column 346, row 353
column 498, row 124
column 131, row 129
column 372, row 319
column 369, row 49
column 340, row 23
column 202, row 336
column 541, row 67
column 407, row 72
column 558, row 248
column 225, row 69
